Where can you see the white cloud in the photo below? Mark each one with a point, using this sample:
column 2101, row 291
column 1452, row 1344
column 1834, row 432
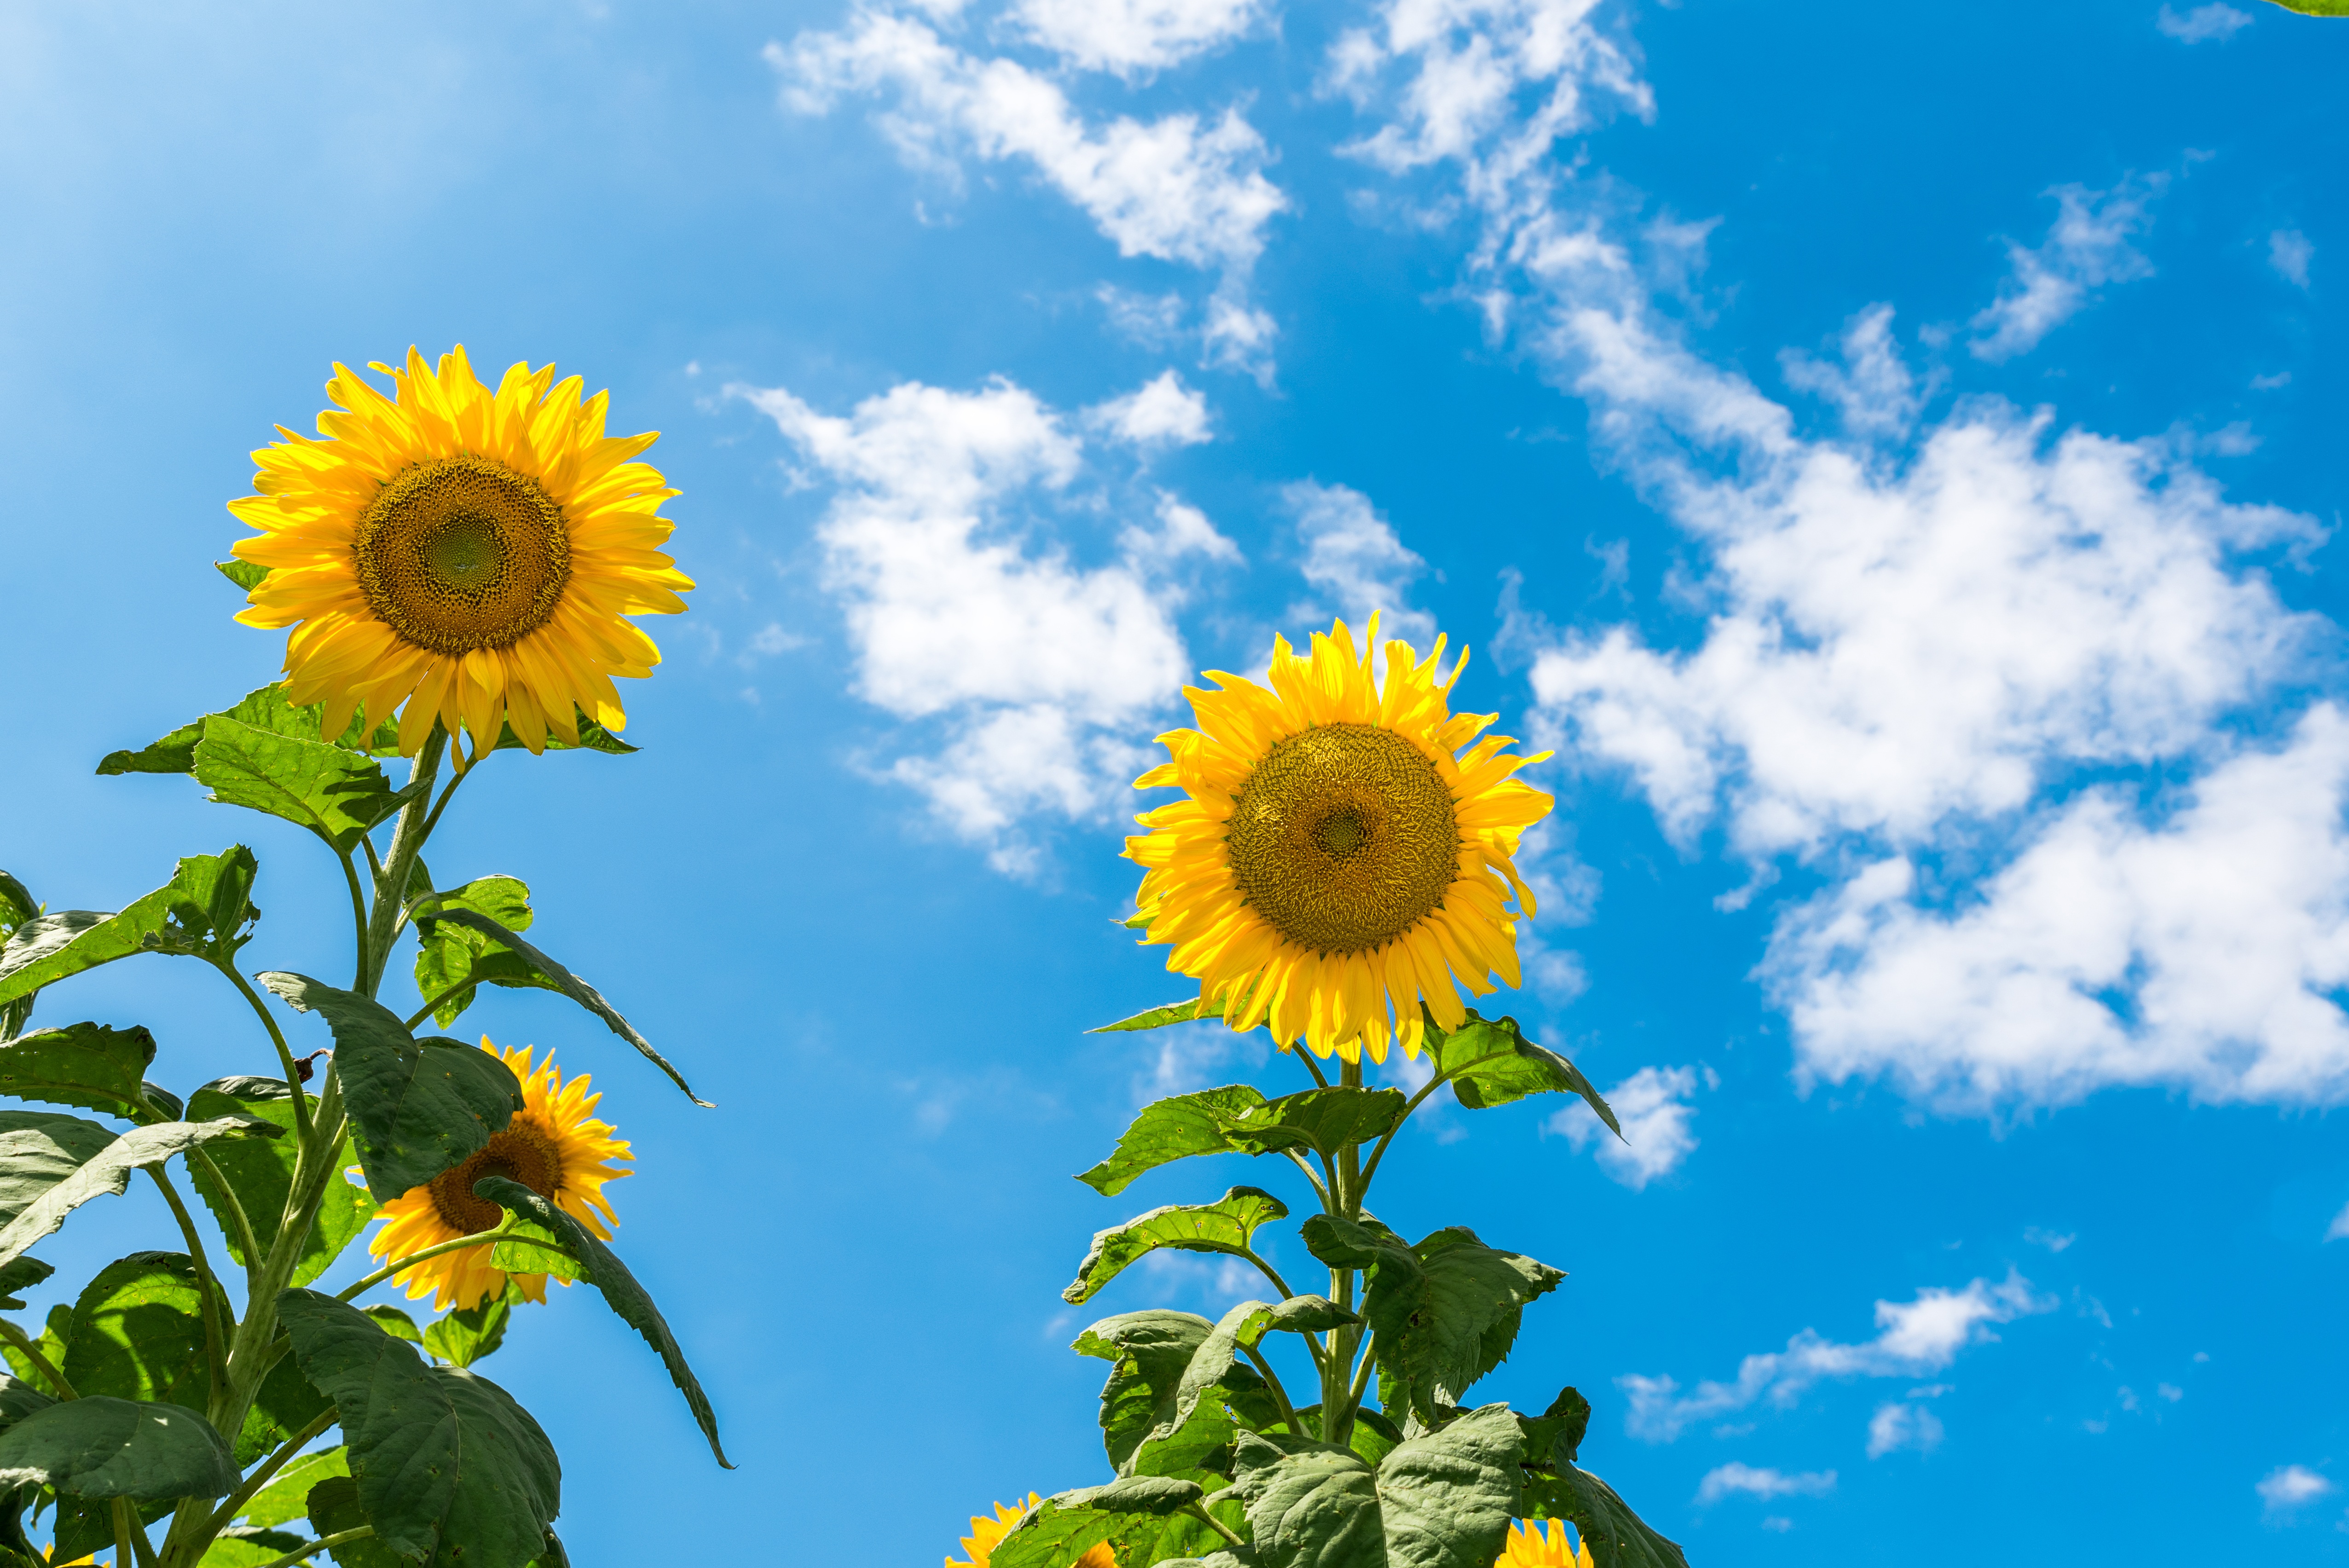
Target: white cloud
column 1734, row 1478
column 2339, row 1225
column 1917, row 1336
column 2289, row 252
column 2285, row 1489
column 2087, row 248
column 1357, row 562
column 1872, row 387
column 1160, row 413
column 2206, row 951
column 2053, row 1241
column 1653, row 1105
column 2202, row 23
column 1179, row 188
column 1895, row 1427
column 1132, row 36
column 1028, row 670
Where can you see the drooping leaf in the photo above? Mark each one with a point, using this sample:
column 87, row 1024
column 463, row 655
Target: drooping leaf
column 1557, row 1433
column 1159, row 1017
column 1149, row 1352
column 1325, row 1121
column 1447, row 1499
column 1225, row 1225
column 38, row 1150
column 261, row 1173
column 1616, row 1537
column 417, row 1106
column 1241, row 1329
column 19, row 1277
column 336, row 794
column 605, row 1271
column 1308, row 1506
column 103, row 1446
column 202, row 912
column 107, row 1172
column 333, row 1507
column 139, row 1332
column 85, row 1065
column 470, row 1333
column 1489, row 1062
column 1173, row 1129
column 265, row 710
column 16, row 908
column 286, row 1495
column 450, row 954
column 448, row 1467
column 556, row 977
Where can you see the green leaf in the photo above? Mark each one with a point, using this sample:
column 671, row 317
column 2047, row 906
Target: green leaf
column 1325, row 1121
column 1150, row 1351
column 1137, row 1519
column 1447, row 1499
column 85, row 1065
column 556, row 977
column 284, row 1404
column 1317, row 1507
column 20, row 1276
column 139, row 1332
column 1616, row 1537
column 1445, row 1313
column 334, row 1507
column 448, row 1465
column 1556, row 1435
column 1372, row 1436
column 465, row 1336
column 285, row 1497
column 243, row 573
column 201, row 912
column 1159, row 1017
column 260, row 1174
column 593, row 737
column 265, row 710
column 1490, row 1063
column 244, row 1546
column 19, row 1399
column 449, row 954
column 52, row 1344
column 1222, row 1226
column 2316, row 7
column 396, row 1323
column 17, row 905
column 38, row 1150
column 1173, row 1129
column 108, row 1172
column 336, row 794
column 417, row 1106
column 605, row 1271
column 1242, row 1328
column 102, row 1447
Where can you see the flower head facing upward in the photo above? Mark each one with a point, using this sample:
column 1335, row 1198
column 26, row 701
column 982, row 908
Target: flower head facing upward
column 987, row 1534
column 1530, row 1547
column 1340, row 863
column 454, row 553
column 554, row 1146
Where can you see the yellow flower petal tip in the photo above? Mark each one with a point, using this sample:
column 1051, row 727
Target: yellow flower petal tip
column 456, row 554
column 1533, row 1544
column 554, row 1146
column 987, row 1534
column 1344, row 855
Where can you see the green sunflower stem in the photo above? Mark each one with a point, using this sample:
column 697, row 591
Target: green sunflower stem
column 408, row 837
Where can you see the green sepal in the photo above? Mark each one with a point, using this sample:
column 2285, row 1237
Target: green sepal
column 602, row 1268
column 265, row 710
column 203, row 912
column 1159, row 1017
column 552, row 977
column 106, row 1171
column 85, row 1065
column 261, row 1173
column 448, row 1467
column 1489, row 1062
column 243, row 573
column 1223, row 1226
column 417, row 1106
column 97, row 1446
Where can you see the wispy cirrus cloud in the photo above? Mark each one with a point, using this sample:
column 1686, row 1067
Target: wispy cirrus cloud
column 2087, row 247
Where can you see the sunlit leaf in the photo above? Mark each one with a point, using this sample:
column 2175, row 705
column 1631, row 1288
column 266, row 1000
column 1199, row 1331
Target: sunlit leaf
column 261, row 1173
column 107, row 1172
column 336, row 794
column 1225, row 1225
column 85, row 1064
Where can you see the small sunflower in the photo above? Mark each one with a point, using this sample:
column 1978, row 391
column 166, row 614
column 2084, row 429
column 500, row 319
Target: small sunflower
column 1340, row 862
column 469, row 554
column 552, row 1145
column 987, row 1534
column 1530, row 1548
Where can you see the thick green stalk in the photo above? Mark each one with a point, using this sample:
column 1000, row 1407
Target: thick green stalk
column 392, row 887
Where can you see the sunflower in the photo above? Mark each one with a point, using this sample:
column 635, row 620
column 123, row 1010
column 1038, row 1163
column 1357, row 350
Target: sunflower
column 987, row 1534
column 552, row 1145
column 1529, row 1548
column 1339, row 864
column 469, row 554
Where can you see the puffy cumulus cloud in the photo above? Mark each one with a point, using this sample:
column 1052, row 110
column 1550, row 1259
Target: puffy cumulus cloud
column 2087, row 248
column 1916, row 1337
column 2287, row 1489
column 1029, row 672
column 1653, row 1105
column 1133, row 37
column 1736, row 1480
column 1181, row 189
column 2206, row 951
column 1356, row 562
column 1160, row 413
column 2202, row 23
column 1897, row 1426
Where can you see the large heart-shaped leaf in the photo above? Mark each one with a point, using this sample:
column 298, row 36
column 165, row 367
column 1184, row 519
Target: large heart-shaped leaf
column 1225, row 1225
column 103, row 1447
column 1447, row 1499
column 1308, row 1505
column 336, row 794
column 1175, row 1127
column 139, row 1332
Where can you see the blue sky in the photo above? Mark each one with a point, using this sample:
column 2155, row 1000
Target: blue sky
column 1883, row 449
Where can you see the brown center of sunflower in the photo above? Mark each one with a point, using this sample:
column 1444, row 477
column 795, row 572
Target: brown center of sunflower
column 520, row 1152
column 1344, row 838
column 459, row 554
